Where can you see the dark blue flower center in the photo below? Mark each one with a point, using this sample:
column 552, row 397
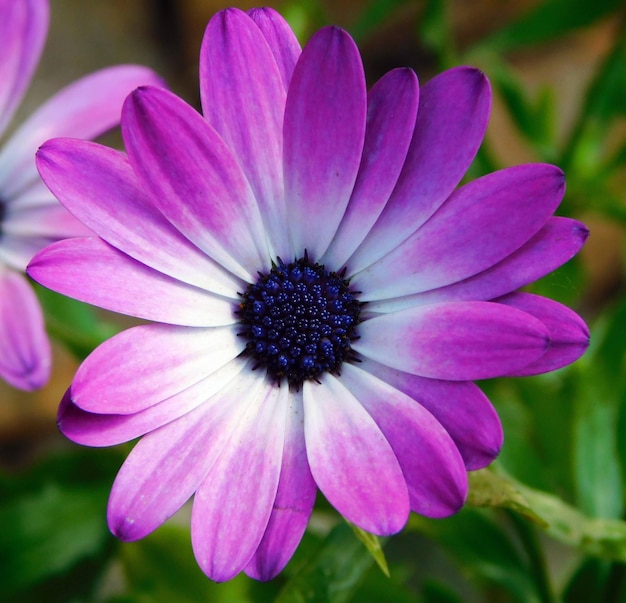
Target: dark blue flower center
column 299, row 321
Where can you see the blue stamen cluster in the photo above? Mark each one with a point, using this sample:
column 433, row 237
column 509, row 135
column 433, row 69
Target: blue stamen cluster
column 299, row 320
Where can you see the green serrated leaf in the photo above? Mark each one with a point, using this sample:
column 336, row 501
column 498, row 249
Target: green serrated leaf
column 372, row 544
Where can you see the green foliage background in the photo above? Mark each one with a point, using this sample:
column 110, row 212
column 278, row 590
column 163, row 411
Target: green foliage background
column 544, row 524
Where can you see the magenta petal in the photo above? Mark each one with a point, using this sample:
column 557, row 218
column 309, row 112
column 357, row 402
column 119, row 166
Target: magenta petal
column 451, row 122
column 194, row 180
column 243, row 98
column 93, row 429
column 147, row 364
column 556, row 243
column 281, row 39
column 167, row 465
column 392, row 109
column 79, row 268
column 25, row 356
column 23, row 29
column 351, row 461
column 459, row 341
column 293, row 504
column 98, row 185
column 460, row 406
column 84, row 109
column 569, row 335
column 430, row 461
column 478, row 226
column 324, row 132
column 233, row 504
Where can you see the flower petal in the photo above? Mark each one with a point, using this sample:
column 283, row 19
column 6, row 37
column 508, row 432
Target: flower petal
column 167, row 465
column 281, row 39
column 350, row 459
column 25, row 356
column 243, row 98
column 84, row 109
column 460, row 406
column 23, row 30
column 79, row 268
column 430, row 461
column 147, row 364
column 569, row 335
column 99, row 187
column 194, row 180
column 556, row 243
column 324, row 133
column 478, row 226
column 94, row 429
column 458, row 341
column 233, row 504
column 293, row 504
column 451, row 122
column 392, row 109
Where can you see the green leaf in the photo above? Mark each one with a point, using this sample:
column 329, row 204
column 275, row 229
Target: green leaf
column 333, row 574
column 483, row 549
column 372, row 544
column 47, row 532
column 548, row 20
column 597, row 469
column 604, row 538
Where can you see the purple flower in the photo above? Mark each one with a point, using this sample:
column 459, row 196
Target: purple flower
column 322, row 293
column 30, row 217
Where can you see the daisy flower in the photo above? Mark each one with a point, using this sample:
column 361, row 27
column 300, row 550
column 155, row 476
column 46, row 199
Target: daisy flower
column 322, row 292
column 30, row 217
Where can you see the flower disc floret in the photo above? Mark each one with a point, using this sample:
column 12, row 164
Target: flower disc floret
column 299, row 320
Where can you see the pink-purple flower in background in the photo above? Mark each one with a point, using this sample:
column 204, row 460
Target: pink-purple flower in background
column 322, row 292
column 30, row 217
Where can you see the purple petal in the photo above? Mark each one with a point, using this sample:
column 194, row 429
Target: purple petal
column 281, row 39
column 324, row 133
column 430, row 461
column 93, row 429
column 147, row 364
column 25, row 357
column 556, row 243
column 23, row 30
column 392, row 109
column 569, row 335
column 84, row 109
column 460, row 406
column 78, row 268
column 350, row 459
column 233, row 504
column 451, row 122
column 478, row 226
column 167, row 465
column 194, row 180
column 458, row 341
column 243, row 98
column 98, row 185
column 294, row 501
